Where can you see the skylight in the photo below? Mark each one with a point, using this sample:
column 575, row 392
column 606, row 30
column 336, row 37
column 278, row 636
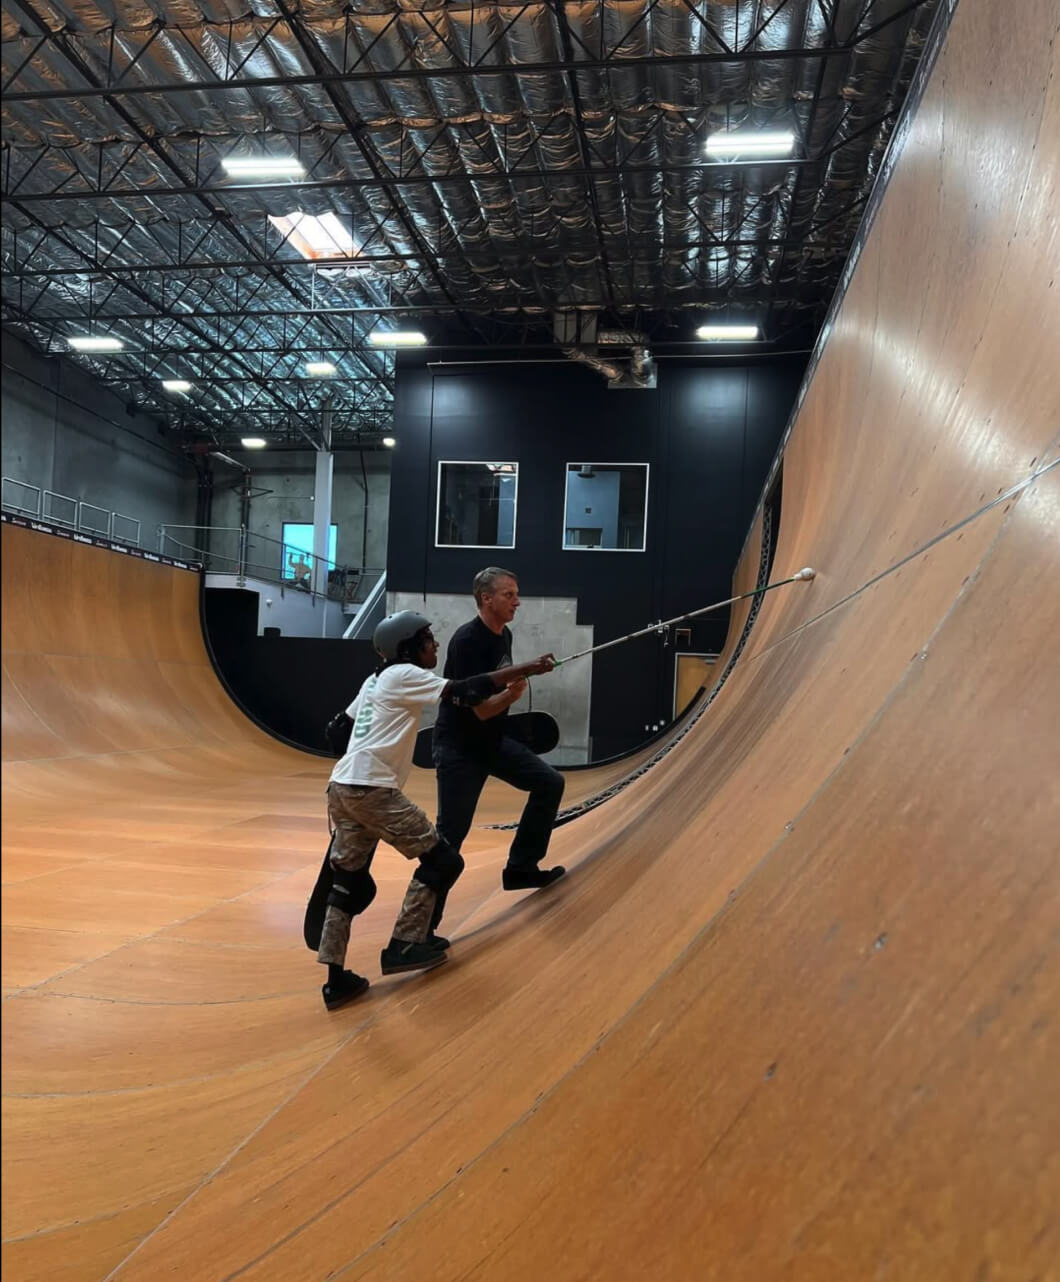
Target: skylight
column 315, row 236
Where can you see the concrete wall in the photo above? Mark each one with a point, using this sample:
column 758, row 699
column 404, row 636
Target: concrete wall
column 289, row 478
column 66, row 432
column 543, row 625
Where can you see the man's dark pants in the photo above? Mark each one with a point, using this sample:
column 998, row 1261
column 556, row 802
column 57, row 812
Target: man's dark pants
column 461, row 777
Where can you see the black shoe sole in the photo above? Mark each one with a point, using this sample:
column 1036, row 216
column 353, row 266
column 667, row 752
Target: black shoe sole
column 533, row 885
column 420, row 965
column 347, row 996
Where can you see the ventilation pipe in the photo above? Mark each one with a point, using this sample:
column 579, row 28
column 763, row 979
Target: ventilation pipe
column 576, row 333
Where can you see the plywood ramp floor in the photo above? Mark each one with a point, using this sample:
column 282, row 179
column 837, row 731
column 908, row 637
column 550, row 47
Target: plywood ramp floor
column 793, row 1014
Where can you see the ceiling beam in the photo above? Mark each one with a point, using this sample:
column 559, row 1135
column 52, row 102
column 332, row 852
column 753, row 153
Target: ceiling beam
column 391, row 181
column 335, row 77
column 502, row 257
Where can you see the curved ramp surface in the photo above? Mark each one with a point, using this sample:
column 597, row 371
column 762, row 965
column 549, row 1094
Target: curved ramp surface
column 794, row 1013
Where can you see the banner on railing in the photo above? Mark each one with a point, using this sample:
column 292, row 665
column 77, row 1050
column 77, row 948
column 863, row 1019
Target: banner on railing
column 95, row 541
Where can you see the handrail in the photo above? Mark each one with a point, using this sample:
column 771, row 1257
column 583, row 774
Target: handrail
column 243, row 559
column 48, row 507
column 356, row 628
column 20, row 508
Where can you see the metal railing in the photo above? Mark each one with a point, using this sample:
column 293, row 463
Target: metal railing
column 368, row 612
column 68, row 512
column 125, row 529
column 235, row 550
column 93, row 520
column 20, row 497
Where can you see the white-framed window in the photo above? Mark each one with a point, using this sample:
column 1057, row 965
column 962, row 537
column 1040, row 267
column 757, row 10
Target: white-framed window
column 476, row 504
column 606, row 507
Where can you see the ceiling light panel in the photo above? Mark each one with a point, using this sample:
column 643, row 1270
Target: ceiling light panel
column 397, row 338
column 95, row 343
column 263, row 167
column 320, row 369
column 751, row 143
column 727, row 333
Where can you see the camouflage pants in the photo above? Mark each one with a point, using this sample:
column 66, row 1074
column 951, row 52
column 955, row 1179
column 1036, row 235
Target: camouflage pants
column 361, row 817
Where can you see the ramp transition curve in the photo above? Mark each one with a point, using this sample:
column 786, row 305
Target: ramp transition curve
column 794, row 1012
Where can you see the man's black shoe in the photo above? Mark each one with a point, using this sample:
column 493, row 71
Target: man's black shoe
column 344, row 990
column 400, row 955
column 437, row 941
column 530, row 878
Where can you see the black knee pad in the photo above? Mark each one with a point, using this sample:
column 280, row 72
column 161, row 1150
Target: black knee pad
column 351, row 891
column 440, row 867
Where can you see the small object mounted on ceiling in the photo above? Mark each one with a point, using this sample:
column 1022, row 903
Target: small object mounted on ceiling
column 578, row 335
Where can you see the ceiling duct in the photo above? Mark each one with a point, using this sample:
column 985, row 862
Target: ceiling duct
column 473, row 187
column 621, row 338
column 571, row 328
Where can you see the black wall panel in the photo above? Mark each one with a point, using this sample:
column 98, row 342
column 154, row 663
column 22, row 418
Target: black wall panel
column 708, row 432
column 292, row 686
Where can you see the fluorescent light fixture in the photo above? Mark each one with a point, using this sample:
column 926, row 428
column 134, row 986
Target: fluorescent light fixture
column 320, row 369
column 315, row 237
column 176, row 385
column 252, row 442
column 263, row 167
column 751, row 143
column 389, row 442
column 397, row 338
column 727, row 333
column 95, row 343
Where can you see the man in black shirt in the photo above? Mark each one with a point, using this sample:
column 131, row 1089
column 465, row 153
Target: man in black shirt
column 470, row 743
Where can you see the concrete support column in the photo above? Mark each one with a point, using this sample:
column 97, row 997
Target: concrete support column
column 322, row 518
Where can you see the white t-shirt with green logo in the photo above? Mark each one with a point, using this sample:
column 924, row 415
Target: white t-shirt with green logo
column 386, row 720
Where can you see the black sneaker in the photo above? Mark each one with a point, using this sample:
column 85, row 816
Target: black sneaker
column 437, row 941
column 400, row 955
column 530, row 878
column 344, row 990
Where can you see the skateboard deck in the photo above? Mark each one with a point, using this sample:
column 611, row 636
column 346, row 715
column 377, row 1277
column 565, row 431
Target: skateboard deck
column 317, row 908
column 537, row 730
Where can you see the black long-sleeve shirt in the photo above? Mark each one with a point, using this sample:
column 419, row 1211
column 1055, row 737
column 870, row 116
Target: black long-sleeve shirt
column 473, row 649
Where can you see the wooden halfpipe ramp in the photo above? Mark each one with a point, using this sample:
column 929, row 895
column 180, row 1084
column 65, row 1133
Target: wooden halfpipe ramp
column 793, row 1014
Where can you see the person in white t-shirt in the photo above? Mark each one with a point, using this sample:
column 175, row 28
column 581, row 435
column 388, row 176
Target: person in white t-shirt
column 366, row 804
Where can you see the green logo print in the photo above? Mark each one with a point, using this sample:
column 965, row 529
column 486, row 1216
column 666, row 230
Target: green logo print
column 365, row 713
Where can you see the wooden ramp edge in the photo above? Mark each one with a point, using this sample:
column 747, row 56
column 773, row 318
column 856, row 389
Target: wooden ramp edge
column 793, row 1014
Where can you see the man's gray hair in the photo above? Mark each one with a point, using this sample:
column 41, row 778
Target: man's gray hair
column 486, row 580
